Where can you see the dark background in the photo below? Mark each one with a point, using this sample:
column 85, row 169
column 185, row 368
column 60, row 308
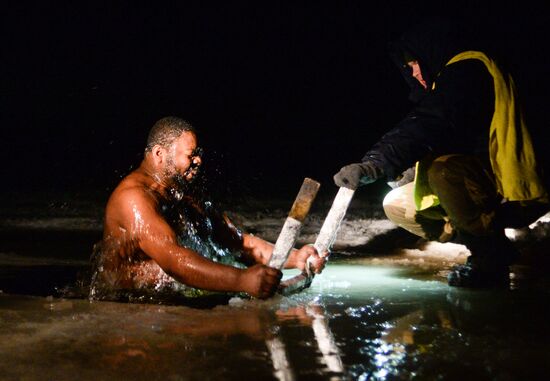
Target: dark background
column 278, row 91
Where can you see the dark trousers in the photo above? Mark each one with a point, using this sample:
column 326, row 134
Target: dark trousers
column 466, row 189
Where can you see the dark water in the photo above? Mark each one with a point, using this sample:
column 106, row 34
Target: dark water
column 367, row 317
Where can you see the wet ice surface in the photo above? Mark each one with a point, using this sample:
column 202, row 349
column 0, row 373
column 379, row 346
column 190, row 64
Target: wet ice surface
column 381, row 310
column 355, row 322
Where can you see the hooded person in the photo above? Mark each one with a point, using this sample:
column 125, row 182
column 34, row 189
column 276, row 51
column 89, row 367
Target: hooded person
column 465, row 142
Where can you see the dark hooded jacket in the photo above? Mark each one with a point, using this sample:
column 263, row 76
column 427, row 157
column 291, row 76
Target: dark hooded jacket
column 452, row 118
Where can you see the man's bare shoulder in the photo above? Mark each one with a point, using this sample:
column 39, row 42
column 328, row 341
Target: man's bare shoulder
column 136, row 187
column 134, row 194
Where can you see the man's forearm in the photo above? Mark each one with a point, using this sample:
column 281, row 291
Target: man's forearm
column 257, row 249
column 191, row 269
column 293, row 260
column 208, row 275
column 260, row 251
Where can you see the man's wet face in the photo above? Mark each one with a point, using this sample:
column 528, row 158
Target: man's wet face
column 183, row 161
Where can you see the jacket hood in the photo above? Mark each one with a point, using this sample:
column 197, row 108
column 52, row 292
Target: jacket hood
column 432, row 44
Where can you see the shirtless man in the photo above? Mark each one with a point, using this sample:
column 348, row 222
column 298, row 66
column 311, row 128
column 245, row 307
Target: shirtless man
column 140, row 247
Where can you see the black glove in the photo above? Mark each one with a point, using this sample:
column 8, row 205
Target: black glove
column 354, row 175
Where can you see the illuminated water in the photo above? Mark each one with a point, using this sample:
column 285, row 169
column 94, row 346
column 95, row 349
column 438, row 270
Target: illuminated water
column 355, row 322
column 367, row 317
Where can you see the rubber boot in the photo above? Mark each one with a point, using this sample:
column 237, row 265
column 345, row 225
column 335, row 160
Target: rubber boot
column 488, row 264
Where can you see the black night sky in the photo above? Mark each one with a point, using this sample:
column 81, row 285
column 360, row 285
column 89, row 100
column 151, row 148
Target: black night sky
column 278, row 91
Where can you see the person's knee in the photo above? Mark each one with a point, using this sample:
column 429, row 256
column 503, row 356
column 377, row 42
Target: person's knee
column 441, row 172
column 399, row 205
column 392, row 205
column 395, row 214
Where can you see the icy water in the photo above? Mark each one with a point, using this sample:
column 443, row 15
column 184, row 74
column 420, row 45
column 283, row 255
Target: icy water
column 372, row 315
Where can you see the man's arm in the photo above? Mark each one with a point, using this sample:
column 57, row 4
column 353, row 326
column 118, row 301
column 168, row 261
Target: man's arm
column 453, row 118
column 259, row 251
column 138, row 214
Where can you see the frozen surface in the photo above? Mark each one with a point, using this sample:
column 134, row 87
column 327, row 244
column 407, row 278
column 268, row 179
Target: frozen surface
column 357, row 321
column 381, row 310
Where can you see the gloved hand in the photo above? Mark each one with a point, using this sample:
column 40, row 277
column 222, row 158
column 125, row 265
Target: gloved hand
column 354, row 175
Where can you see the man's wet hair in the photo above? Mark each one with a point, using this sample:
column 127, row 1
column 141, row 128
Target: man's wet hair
column 166, row 130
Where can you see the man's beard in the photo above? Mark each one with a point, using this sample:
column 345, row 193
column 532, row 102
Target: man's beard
column 179, row 184
column 179, row 181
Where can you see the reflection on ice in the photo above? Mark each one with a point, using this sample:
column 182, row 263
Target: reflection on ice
column 357, row 321
column 366, row 317
column 325, row 339
column 387, row 358
column 281, row 367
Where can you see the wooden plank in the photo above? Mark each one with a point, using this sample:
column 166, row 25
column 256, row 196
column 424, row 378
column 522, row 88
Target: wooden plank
column 324, row 240
column 293, row 223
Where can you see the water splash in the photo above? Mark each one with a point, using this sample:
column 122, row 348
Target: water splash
column 199, row 227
